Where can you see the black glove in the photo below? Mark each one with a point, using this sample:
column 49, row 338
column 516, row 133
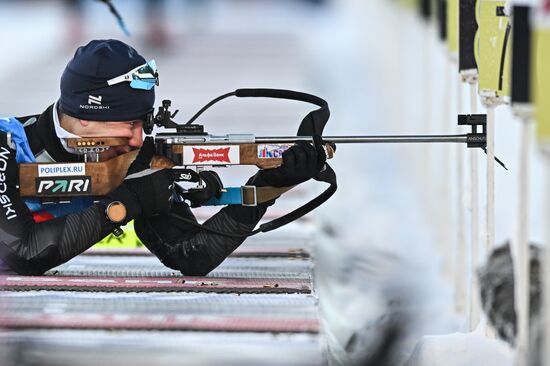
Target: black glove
column 301, row 162
column 213, row 188
column 145, row 191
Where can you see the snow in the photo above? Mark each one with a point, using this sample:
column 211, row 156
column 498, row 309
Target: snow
column 460, row 349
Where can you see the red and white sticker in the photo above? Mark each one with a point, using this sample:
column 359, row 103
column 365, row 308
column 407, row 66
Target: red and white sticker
column 211, row 155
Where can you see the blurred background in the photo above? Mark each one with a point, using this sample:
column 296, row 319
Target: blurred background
column 389, row 236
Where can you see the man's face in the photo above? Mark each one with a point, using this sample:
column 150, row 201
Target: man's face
column 133, row 130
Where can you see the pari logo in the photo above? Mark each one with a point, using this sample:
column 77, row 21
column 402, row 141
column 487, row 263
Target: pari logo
column 59, row 186
column 211, row 155
column 94, row 102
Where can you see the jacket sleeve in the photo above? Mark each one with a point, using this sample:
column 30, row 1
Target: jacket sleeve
column 31, row 248
column 193, row 251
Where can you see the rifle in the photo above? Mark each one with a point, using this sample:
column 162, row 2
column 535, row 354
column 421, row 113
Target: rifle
column 187, row 148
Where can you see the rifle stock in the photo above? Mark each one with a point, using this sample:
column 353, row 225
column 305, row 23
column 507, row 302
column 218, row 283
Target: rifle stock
column 106, row 176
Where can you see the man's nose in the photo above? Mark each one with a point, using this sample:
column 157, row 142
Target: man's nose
column 137, row 135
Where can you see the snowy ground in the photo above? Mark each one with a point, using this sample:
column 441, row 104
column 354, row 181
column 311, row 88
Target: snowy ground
column 391, row 230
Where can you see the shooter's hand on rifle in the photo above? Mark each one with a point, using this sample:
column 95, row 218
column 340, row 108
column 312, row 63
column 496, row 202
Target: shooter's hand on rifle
column 212, row 188
column 301, row 162
column 145, row 191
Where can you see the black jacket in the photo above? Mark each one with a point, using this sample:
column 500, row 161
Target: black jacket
column 32, row 248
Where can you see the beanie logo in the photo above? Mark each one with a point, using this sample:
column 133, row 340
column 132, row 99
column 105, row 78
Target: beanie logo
column 94, row 103
column 94, row 100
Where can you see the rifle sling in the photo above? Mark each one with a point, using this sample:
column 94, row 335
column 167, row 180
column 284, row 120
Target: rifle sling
column 263, row 194
column 312, row 124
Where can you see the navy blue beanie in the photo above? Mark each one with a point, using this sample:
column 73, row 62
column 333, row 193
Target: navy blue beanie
column 93, row 64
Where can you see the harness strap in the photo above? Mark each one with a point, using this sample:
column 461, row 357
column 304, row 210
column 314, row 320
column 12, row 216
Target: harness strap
column 245, row 195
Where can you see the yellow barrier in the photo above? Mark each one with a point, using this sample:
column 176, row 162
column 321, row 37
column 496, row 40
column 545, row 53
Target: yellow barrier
column 128, row 239
column 493, row 49
column 542, row 84
column 408, row 3
column 452, row 27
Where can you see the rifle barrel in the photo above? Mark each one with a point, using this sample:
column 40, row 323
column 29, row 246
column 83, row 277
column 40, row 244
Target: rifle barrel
column 249, row 138
column 370, row 139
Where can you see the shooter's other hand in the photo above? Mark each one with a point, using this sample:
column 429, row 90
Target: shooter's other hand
column 301, row 162
column 145, row 191
column 213, row 188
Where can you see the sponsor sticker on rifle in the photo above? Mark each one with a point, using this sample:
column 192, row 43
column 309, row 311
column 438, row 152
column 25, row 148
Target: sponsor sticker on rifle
column 211, row 155
column 61, row 170
column 62, row 186
column 270, row 151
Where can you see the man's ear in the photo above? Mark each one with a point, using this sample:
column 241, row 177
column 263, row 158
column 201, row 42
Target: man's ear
column 67, row 122
column 84, row 123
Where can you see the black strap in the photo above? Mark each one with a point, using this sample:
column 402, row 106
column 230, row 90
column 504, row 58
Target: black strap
column 312, row 124
column 281, row 94
column 503, row 55
column 328, row 176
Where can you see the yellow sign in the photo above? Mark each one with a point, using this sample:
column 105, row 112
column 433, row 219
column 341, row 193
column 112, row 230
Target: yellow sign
column 493, row 49
column 408, row 3
column 452, row 27
column 128, row 239
column 542, row 83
